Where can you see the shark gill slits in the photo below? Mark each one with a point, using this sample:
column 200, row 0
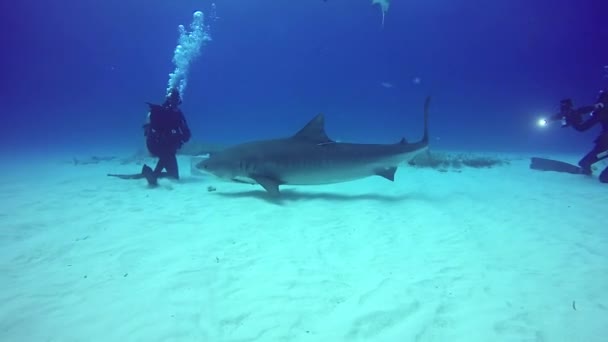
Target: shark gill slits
column 244, row 165
column 248, row 165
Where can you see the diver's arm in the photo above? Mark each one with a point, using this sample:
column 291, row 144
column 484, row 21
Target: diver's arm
column 585, row 110
column 575, row 117
column 555, row 117
column 583, row 126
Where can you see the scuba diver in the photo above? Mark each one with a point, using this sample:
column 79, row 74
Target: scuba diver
column 574, row 117
column 600, row 149
column 166, row 130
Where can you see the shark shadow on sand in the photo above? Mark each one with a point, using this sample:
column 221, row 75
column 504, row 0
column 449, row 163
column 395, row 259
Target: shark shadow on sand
column 292, row 195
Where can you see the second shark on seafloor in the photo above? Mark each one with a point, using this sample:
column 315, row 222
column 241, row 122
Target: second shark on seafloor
column 310, row 157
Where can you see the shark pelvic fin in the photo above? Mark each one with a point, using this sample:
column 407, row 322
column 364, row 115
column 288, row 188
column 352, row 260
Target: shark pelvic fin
column 269, row 184
column 387, row 172
column 314, row 131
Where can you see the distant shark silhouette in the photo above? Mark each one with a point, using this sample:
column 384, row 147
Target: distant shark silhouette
column 310, row 157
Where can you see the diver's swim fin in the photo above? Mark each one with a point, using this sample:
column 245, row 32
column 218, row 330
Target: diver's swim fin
column 133, row 176
column 543, row 164
column 146, row 172
column 150, row 176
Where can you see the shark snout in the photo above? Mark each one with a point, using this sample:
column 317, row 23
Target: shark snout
column 214, row 167
column 207, row 166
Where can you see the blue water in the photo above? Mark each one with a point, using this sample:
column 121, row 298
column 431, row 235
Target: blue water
column 505, row 254
column 77, row 73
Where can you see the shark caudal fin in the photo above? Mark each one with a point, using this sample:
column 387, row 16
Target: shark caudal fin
column 425, row 136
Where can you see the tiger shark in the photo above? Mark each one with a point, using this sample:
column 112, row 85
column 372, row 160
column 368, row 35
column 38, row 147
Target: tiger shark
column 310, row 157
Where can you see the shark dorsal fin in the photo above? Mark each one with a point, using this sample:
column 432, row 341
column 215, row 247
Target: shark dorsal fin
column 314, row 131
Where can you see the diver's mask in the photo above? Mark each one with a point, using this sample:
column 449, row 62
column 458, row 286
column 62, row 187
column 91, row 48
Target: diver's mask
column 173, row 99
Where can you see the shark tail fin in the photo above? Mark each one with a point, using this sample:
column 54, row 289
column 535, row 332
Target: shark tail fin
column 427, row 104
column 425, row 135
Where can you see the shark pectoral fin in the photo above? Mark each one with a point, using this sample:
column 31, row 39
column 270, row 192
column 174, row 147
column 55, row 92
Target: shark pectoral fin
column 387, row 172
column 269, row 184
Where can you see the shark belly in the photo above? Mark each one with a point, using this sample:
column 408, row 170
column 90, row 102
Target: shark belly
column 319, row 177
column 329, row 172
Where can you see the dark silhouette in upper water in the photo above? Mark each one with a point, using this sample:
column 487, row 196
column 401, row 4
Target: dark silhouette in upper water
column 166, row 131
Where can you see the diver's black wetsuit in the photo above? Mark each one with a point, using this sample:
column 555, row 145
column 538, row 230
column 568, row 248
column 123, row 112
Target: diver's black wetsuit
column 165, row 133
column 599, row 116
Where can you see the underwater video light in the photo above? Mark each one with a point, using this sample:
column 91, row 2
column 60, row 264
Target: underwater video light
column 542, row 122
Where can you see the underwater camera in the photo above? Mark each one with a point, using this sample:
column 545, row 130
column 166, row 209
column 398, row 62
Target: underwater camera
column 542, row 122
column 567, row 115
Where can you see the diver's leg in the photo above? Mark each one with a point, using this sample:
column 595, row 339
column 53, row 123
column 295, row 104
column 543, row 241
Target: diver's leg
column 601, row 156
column 604, row 175
column 588, row 160
column 160, row 165
column 171, row 166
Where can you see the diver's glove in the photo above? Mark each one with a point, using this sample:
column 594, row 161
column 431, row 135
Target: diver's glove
column 567, row 120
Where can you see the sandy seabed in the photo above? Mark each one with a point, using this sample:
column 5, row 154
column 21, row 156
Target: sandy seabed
column 500, row 254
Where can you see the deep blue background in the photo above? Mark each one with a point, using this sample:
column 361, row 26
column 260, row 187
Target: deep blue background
column 77, row 72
